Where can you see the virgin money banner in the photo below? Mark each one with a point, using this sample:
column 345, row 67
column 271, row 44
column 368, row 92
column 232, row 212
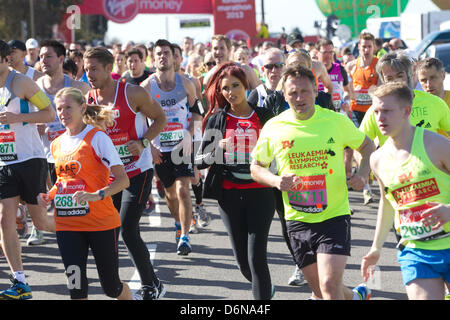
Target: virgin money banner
column 122, row 11
column 235, row 18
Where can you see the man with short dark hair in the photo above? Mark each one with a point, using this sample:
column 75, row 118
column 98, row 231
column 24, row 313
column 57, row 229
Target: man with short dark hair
column 431, row 74
column 311, row 176
column 176, row 95
column 137, row 72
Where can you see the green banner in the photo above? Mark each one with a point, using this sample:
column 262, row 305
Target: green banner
column 354, row 13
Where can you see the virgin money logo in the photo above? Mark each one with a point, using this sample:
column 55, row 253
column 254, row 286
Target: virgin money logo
column 121, row 11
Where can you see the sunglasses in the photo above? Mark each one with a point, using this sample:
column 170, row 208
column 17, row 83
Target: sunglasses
column 270, row 66
column 211, row 64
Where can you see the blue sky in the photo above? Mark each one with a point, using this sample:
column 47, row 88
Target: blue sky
column 148, row 27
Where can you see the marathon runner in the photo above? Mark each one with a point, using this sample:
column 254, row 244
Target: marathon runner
column 246, row 207
column 413, row 170
column 221, row 47
column 431, row 75
column 311, row 175
column 176, row 94
column 201, row 217
column 364, row 77
column 85, row 216
column 136, row 73
column 23, row 168
column 52, row 55
column 131, row 136
column 429, row 111
column 273, row 63
column 18, row 53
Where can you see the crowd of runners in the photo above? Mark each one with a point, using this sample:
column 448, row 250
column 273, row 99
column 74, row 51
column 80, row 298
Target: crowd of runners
column 286, row 128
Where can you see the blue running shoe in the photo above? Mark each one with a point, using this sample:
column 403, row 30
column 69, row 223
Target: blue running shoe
column 363, row 292
column 184, row 247
column 17, row 291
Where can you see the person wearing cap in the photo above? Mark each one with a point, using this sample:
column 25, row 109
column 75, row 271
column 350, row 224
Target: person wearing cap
column 17, row 58
column 32, row 47
column 294, row 41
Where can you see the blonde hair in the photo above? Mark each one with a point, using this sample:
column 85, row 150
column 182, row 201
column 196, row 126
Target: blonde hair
column 302, row 55
column 397, row 89
column 97, row 116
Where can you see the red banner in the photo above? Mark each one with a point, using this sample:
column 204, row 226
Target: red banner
column 235, row 18
column 122, row 11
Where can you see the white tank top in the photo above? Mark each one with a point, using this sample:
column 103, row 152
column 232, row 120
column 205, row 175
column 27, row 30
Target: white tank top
column 54, row 129
column 19, row 142
column 175, row 105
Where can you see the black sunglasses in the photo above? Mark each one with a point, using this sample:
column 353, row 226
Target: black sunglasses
column 270, row 66
column 211, row 63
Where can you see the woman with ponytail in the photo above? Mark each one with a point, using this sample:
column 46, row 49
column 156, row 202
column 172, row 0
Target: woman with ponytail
column 85, row 215
column 231, row 129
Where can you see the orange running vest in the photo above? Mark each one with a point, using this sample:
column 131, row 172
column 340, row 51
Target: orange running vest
column 363, row 79
column 81, row 169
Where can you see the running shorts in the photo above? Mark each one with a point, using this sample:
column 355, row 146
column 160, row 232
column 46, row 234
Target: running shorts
column 424, row 264
column 24, row 179
column 331, row 236
column 168, row 172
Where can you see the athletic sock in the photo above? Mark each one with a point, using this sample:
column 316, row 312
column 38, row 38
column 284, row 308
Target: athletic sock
column 20, row 276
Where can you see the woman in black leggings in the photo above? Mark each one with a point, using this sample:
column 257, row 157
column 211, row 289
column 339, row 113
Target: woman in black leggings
column 246, row 207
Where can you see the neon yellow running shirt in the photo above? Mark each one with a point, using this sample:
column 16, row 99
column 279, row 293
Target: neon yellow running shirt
column 409, row 185
column 313, row 149
column 428, row 111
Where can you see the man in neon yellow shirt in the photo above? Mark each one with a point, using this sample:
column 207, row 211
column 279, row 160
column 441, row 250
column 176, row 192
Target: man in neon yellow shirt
column 413, row 171
column 308, row 144
column 428, row 111
column 431, row 74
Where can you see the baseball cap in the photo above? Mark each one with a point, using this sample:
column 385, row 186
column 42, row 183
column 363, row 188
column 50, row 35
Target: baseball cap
column 293, row 38
column 32, row 43
column 16, row 44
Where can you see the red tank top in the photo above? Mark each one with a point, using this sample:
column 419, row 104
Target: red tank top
column 123, row 130
column 81, row 170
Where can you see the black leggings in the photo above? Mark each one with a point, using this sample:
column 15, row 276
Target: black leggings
column 247, row 215
column 131, row 204
column 74, row 248
column 279, row 206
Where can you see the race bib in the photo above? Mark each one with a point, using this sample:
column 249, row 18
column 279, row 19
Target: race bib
column 309, row 195
column 120, row 142
column 55, row 129
column 8, row 146
column 65, row 205
column 362, row 96
column 172, row 135
column 411, row 227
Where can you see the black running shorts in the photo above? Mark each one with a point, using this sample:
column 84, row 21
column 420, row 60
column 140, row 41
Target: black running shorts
column 168, row 172
column 25, row 179
column 307, row 239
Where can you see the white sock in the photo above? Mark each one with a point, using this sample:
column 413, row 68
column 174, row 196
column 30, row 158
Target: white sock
column 20, row 276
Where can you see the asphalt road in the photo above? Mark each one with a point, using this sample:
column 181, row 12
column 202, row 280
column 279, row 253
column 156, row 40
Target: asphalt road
column 210, row 272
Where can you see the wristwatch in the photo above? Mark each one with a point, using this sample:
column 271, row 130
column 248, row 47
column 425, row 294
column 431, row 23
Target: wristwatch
column 101, row 193
column 145, row 142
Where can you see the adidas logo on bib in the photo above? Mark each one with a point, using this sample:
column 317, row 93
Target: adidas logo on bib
column 331, row 140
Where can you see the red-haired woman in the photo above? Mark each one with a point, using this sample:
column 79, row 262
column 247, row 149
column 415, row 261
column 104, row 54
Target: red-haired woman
column 231, row 129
